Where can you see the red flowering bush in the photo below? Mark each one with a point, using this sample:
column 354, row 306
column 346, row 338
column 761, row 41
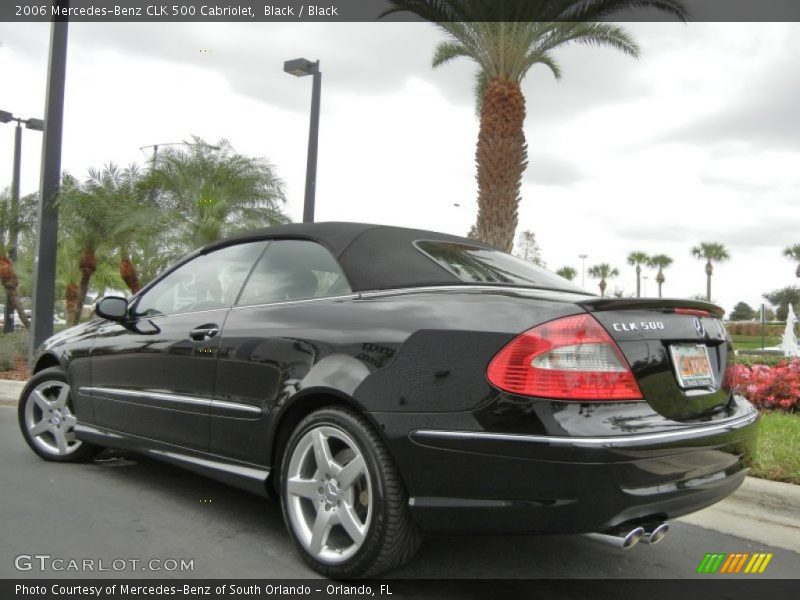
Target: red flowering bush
column 768, row 387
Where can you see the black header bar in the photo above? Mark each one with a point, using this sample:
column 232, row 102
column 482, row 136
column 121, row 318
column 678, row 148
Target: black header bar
column 398, row 589
column 293, row 11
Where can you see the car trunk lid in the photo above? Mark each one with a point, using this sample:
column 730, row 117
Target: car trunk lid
column 678, row 351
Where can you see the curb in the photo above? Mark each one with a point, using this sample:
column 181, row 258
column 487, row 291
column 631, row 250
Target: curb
column 775, row 496
column 760, row 510
column 10, row 391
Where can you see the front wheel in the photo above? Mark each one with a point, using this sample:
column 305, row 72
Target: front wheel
column 343, row 501
column 47, row 418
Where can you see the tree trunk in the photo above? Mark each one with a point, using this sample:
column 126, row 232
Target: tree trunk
column 71, row 299
column 709, row 272
column 129, row 275
column 660, row 279
column 88, row 266
column 602, row 287
column 11, row 284
column 501, row 157
column 638, row 281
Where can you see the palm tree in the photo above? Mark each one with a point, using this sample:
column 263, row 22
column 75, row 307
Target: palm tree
column 602, row 272
column 662, row 261
column 134, row 220
column 209, row 192
column 68, row 273
column 710, row 252
column 89, row 210
column 505, row 52
column 8, row 272
column 793, row 253
column 567, row 273
column 638, row 259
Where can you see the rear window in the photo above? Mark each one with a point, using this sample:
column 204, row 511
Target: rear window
column 473, row 264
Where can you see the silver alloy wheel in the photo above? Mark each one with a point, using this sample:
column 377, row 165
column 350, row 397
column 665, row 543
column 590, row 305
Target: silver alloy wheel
column 49, row 418
column 329, row 494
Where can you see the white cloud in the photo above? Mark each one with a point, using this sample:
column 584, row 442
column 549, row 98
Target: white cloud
column 694, row 141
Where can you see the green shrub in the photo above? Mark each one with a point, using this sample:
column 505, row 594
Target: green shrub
column 13, row 346
column 759, row 359
column 754, row 328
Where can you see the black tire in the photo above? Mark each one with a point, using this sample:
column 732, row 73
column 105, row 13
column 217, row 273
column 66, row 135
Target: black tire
column 49, row 382
column 391, row 537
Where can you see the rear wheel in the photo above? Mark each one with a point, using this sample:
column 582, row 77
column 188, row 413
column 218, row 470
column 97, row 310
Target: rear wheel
column 47, row 418
column 343, row 501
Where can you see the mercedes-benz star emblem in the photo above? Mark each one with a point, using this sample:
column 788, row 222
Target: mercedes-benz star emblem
column 698, row 325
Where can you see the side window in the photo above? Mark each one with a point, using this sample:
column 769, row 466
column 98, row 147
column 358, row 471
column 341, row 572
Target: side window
column 294, row 270
column 207, row 282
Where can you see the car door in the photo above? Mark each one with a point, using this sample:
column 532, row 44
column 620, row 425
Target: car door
column 269, row 342
column 154, row 376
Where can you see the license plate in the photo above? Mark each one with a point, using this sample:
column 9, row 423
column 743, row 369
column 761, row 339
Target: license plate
column 692, row 366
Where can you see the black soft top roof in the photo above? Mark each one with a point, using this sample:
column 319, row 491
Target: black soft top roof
column 374, row 257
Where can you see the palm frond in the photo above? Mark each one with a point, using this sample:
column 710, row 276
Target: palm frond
column 637, row 258
column 447, row 51
column 792, row 252
column 600, row 10
column 479, row 89
column 542, row 58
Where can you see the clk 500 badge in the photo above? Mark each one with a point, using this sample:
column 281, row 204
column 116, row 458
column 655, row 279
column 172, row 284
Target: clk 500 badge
column 642, row 325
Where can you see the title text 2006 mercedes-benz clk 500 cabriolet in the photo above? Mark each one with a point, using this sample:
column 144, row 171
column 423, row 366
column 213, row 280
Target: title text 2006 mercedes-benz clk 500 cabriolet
column 385, row 382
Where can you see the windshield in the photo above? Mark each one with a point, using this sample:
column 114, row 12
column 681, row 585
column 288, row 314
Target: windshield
column 473, row 264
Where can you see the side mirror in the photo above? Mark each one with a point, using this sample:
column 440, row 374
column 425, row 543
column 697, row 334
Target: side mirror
column 112, row 308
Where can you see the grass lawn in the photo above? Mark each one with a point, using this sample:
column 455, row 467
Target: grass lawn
column 778, row 448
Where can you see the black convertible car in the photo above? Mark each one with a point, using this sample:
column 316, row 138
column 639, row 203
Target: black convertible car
column 384, row 382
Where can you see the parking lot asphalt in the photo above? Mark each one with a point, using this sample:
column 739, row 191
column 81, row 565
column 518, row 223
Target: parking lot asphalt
column 122, row 506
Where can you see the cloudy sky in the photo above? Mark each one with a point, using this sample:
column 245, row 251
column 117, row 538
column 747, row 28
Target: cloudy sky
column 697, row 140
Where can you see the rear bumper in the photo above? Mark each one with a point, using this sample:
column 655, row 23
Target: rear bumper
column 488, row 482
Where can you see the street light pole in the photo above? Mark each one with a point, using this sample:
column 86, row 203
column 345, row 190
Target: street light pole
column 13, row 225
column 301, row 67
column 13, row 207
column 44, row 270
column 313, row 142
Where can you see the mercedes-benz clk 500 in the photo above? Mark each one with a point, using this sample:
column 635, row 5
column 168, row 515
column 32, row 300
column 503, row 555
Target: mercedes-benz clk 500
column 383, row 383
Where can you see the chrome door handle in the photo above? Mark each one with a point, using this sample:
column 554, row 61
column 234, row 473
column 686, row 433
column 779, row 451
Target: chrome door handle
column 204, row 332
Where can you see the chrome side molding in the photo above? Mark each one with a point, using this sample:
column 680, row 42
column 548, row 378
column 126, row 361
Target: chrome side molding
column 165, row 400
column 621, row 441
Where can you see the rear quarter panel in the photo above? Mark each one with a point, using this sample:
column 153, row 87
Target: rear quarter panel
column 421, row 352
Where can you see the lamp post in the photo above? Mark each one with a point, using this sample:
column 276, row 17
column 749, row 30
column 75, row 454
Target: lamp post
column 583, row 258
column 44, row 268
column 13, row 209
column 300, row 67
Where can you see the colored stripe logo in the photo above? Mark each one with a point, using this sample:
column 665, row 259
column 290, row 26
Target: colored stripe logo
column 734, row 563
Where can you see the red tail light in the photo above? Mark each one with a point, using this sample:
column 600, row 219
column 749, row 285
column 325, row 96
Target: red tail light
column 572, row 358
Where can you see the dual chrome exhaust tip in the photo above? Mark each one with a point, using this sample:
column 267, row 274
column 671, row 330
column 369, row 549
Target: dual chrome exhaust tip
column 655, row 535
column 627, row 539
